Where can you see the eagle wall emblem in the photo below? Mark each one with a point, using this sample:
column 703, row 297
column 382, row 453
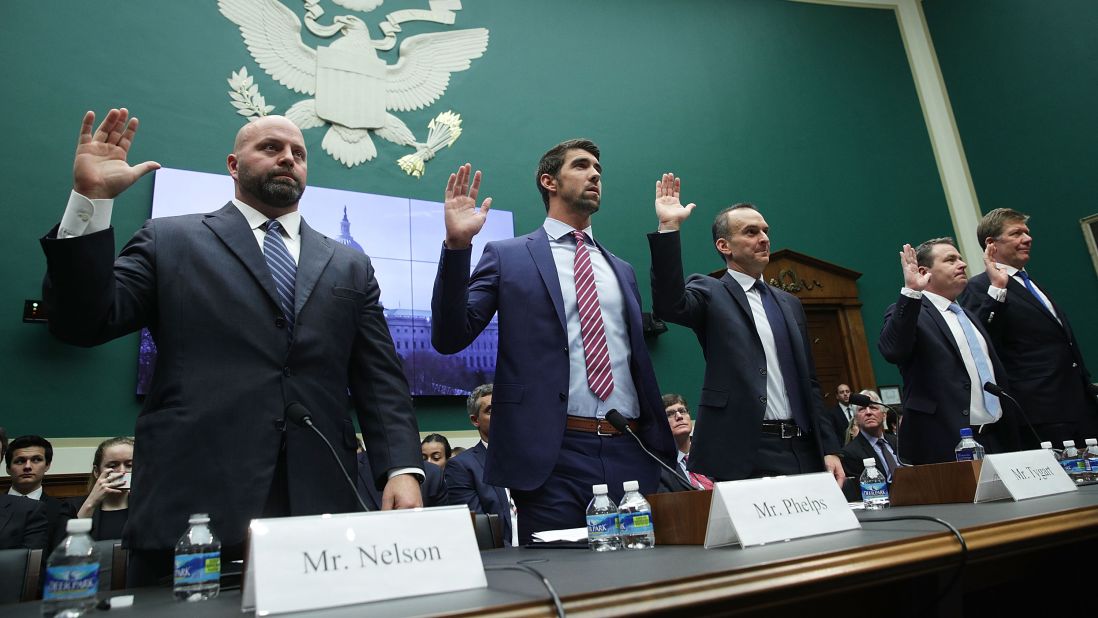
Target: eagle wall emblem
column 353, row 90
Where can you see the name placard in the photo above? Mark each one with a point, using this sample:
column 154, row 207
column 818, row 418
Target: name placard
column 1021, row 475
column 318, row 561
column 758, row 511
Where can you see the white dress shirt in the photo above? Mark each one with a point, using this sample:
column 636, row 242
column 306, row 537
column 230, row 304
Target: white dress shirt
column 34, row 495
column 777, row 401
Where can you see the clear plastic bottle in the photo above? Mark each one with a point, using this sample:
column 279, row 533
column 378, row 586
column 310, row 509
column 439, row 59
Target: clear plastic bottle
column 635, row 519
column 1072, row 461
column 72, row 573
column 874, row 486
column 1090, row 460
column 602, row 521
column 968, row 449
column 197, row 562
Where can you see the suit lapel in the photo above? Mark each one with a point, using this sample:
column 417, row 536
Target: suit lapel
column 316, row 252
column 1015, row 289
column 795, row 338
column 232, row 228
column 936, row 317
column 740, row 297
column 538, row 244
column 622, row 272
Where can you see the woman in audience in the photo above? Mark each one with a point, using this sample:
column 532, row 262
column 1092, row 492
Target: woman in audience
column 108, row 499
column 851, row 431
column 436, row 449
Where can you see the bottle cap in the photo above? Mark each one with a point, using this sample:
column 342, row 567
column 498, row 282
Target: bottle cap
column 1069, row 443
column 599, row 489
column 1092, row 441
column 630, row 485
column 199, row 518
column 966, row 432
column 76, row 525
column 1046, row 445
column 869, row 462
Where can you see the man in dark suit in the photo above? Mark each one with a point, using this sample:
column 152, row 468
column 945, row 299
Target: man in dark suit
column 871, row 441
column 760, row 412
column 842, row 412
column 682, row 428
column 23, row 523
column 465, row 472
column 1032, row 335
column 945, row 357
column 251, row 310
column 571, row 345
column 28, row 459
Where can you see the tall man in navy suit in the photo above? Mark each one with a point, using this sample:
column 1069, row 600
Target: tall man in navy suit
column 465, row 472
column 251, row 310
column 760, row 412
column 1032, row 335
column 571, row 346
column 945, row 357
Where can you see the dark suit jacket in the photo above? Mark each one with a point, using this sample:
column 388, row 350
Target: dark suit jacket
column 23, row 523
column 1047, row 373
column 673, row 482
column 937, row 389
column 210, row 430
column 858, row 449
column 433, row 489
column 839, row 424
column 58, row 513
column 518, row 279
column 733, row 398
column 465, row 483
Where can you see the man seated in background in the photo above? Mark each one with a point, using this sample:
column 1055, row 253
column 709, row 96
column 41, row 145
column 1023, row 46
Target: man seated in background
column 872, row 441
column 23, row 523
column 28, row 458
column 465, row 472
column 841, row 414
column 682, row 428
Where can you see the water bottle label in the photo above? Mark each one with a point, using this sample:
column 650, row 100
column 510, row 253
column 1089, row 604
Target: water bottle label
column 874, row 490
column 603, row 526
column 1092, row 464
column 197, row 568
column 966, row 455
column 71, row 582
column 1073, row 466
column 639, row 522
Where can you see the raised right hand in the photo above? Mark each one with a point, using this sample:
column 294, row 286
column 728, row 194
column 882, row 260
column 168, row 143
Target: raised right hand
column 100, row 170
column 463, row 219
column 913, row 279
column 669, row 209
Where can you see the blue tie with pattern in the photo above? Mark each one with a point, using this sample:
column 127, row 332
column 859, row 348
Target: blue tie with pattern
column 983, row 363
column 283, row 269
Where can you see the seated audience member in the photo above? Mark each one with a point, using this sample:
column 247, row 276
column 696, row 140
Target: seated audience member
column 28, row 459
column 871, row 441
column 433, row 489
column 23, row 523
column 108, row 501
column 465, row 473
column 436, row 449
column 457, row 451
column 682, row 428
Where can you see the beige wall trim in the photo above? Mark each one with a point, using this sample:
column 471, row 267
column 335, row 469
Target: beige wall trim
column 949, row 153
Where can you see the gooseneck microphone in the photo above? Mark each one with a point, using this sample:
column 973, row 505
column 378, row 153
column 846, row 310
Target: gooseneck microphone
column 300, row 416
column 997, row 390
column 618, row 421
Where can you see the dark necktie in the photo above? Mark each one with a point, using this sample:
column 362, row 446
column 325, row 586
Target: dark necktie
column 283, row 269
column 784, row 344
column 1033, row 290
column 886, row 455
column 595, row 351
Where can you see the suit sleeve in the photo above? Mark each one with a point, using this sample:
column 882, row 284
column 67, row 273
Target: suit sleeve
column 462, row 305
column 672, row 299
column 461, row 486
column 434, row 487
column 898, row 334
column 979, row 302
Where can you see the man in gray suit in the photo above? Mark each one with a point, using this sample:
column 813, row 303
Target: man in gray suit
column 251, row 310
column 760, row 412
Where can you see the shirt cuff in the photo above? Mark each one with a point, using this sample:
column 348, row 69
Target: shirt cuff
column 910, row 293
column 413, row 471
column 998, row 294
column 84, row 216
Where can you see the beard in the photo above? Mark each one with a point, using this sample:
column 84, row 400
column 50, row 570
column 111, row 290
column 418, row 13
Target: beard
column 582, row 204
column 272, row 188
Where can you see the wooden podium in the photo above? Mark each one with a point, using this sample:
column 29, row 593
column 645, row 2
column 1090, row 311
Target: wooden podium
column 942, row 483
column 680, row 517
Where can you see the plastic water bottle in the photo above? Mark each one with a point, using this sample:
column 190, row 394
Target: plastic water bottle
column 1072, row 461
column 874, row 486
column 968, row 449
column 197, row 562
column 1090, row 459
column 72, row 573
column 635, row 519
column 602, row 521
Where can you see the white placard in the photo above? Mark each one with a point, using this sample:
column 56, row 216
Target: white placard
column 312, row 562
column 1021, row 475
column 758, row 511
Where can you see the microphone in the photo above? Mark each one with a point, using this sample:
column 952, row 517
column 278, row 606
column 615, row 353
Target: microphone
column 622, row 425
column 997, row 390
column 300, row 416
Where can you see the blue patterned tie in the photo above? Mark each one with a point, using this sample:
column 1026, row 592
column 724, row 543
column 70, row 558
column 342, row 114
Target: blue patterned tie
column 983, row 363
column 1033, row 290
column 283, row 269
column 784, row 344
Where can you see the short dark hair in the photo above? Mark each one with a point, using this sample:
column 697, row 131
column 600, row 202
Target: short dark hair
column 992, row 224
column 671, row 399
column 553, row 160
column 28, row 441
column 923, row 251
column 472, row 403
column 720, row 222
column 97, row 459
column 441, row 439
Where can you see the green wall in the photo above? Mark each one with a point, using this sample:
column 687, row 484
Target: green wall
column 807, row 110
